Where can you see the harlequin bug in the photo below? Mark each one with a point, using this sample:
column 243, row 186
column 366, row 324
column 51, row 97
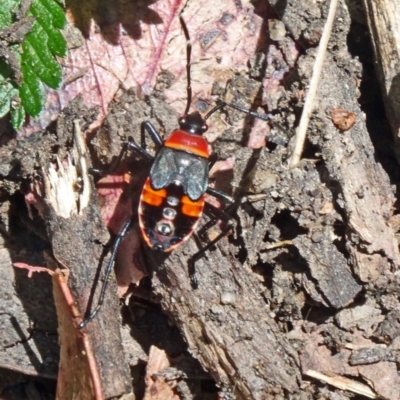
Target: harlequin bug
column 173, row 197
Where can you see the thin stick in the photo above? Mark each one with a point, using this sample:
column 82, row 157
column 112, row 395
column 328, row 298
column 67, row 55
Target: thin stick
column 343, row 383
column 309, row 103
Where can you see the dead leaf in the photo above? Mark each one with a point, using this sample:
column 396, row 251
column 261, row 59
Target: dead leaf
column 129, row 46
column 343, row 119
column 156, row 386
column 78, row 376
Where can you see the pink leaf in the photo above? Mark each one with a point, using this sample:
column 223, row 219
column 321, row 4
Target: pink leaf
column 224, row 37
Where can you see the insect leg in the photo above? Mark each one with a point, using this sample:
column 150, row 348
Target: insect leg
column 217, row 214
column 122, row 233
column 220, row 195
column 228, row 204
column 155, row 136
column 130, row 145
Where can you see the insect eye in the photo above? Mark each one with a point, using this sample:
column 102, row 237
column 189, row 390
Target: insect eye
column 204, row 127
column 182, row 120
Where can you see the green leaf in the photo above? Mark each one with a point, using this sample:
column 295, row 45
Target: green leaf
column 7, row 91
column 49, row 9
column 55, row 41
column 37, row 55
column 31, row 92
column 51, row 18
column 7, row 9
column 18, row 117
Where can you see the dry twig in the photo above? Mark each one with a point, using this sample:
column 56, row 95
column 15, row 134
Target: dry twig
column 309, row 103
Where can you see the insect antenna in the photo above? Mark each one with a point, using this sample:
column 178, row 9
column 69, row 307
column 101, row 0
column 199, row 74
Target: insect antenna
column 223, row 104
column 188, row 56
column 220, row 105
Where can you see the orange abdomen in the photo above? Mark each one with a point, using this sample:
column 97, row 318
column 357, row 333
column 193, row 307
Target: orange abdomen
column 167, row 217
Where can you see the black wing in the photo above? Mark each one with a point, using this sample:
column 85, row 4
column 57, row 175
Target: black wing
column 180, row 168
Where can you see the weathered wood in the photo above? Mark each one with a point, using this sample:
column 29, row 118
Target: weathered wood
column 76, row 245
column 383, row 18
column 329, row 268
column 227, row 325
column 365, row 194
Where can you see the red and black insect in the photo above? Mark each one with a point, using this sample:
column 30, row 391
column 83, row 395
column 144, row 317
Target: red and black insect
column 172, row 199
